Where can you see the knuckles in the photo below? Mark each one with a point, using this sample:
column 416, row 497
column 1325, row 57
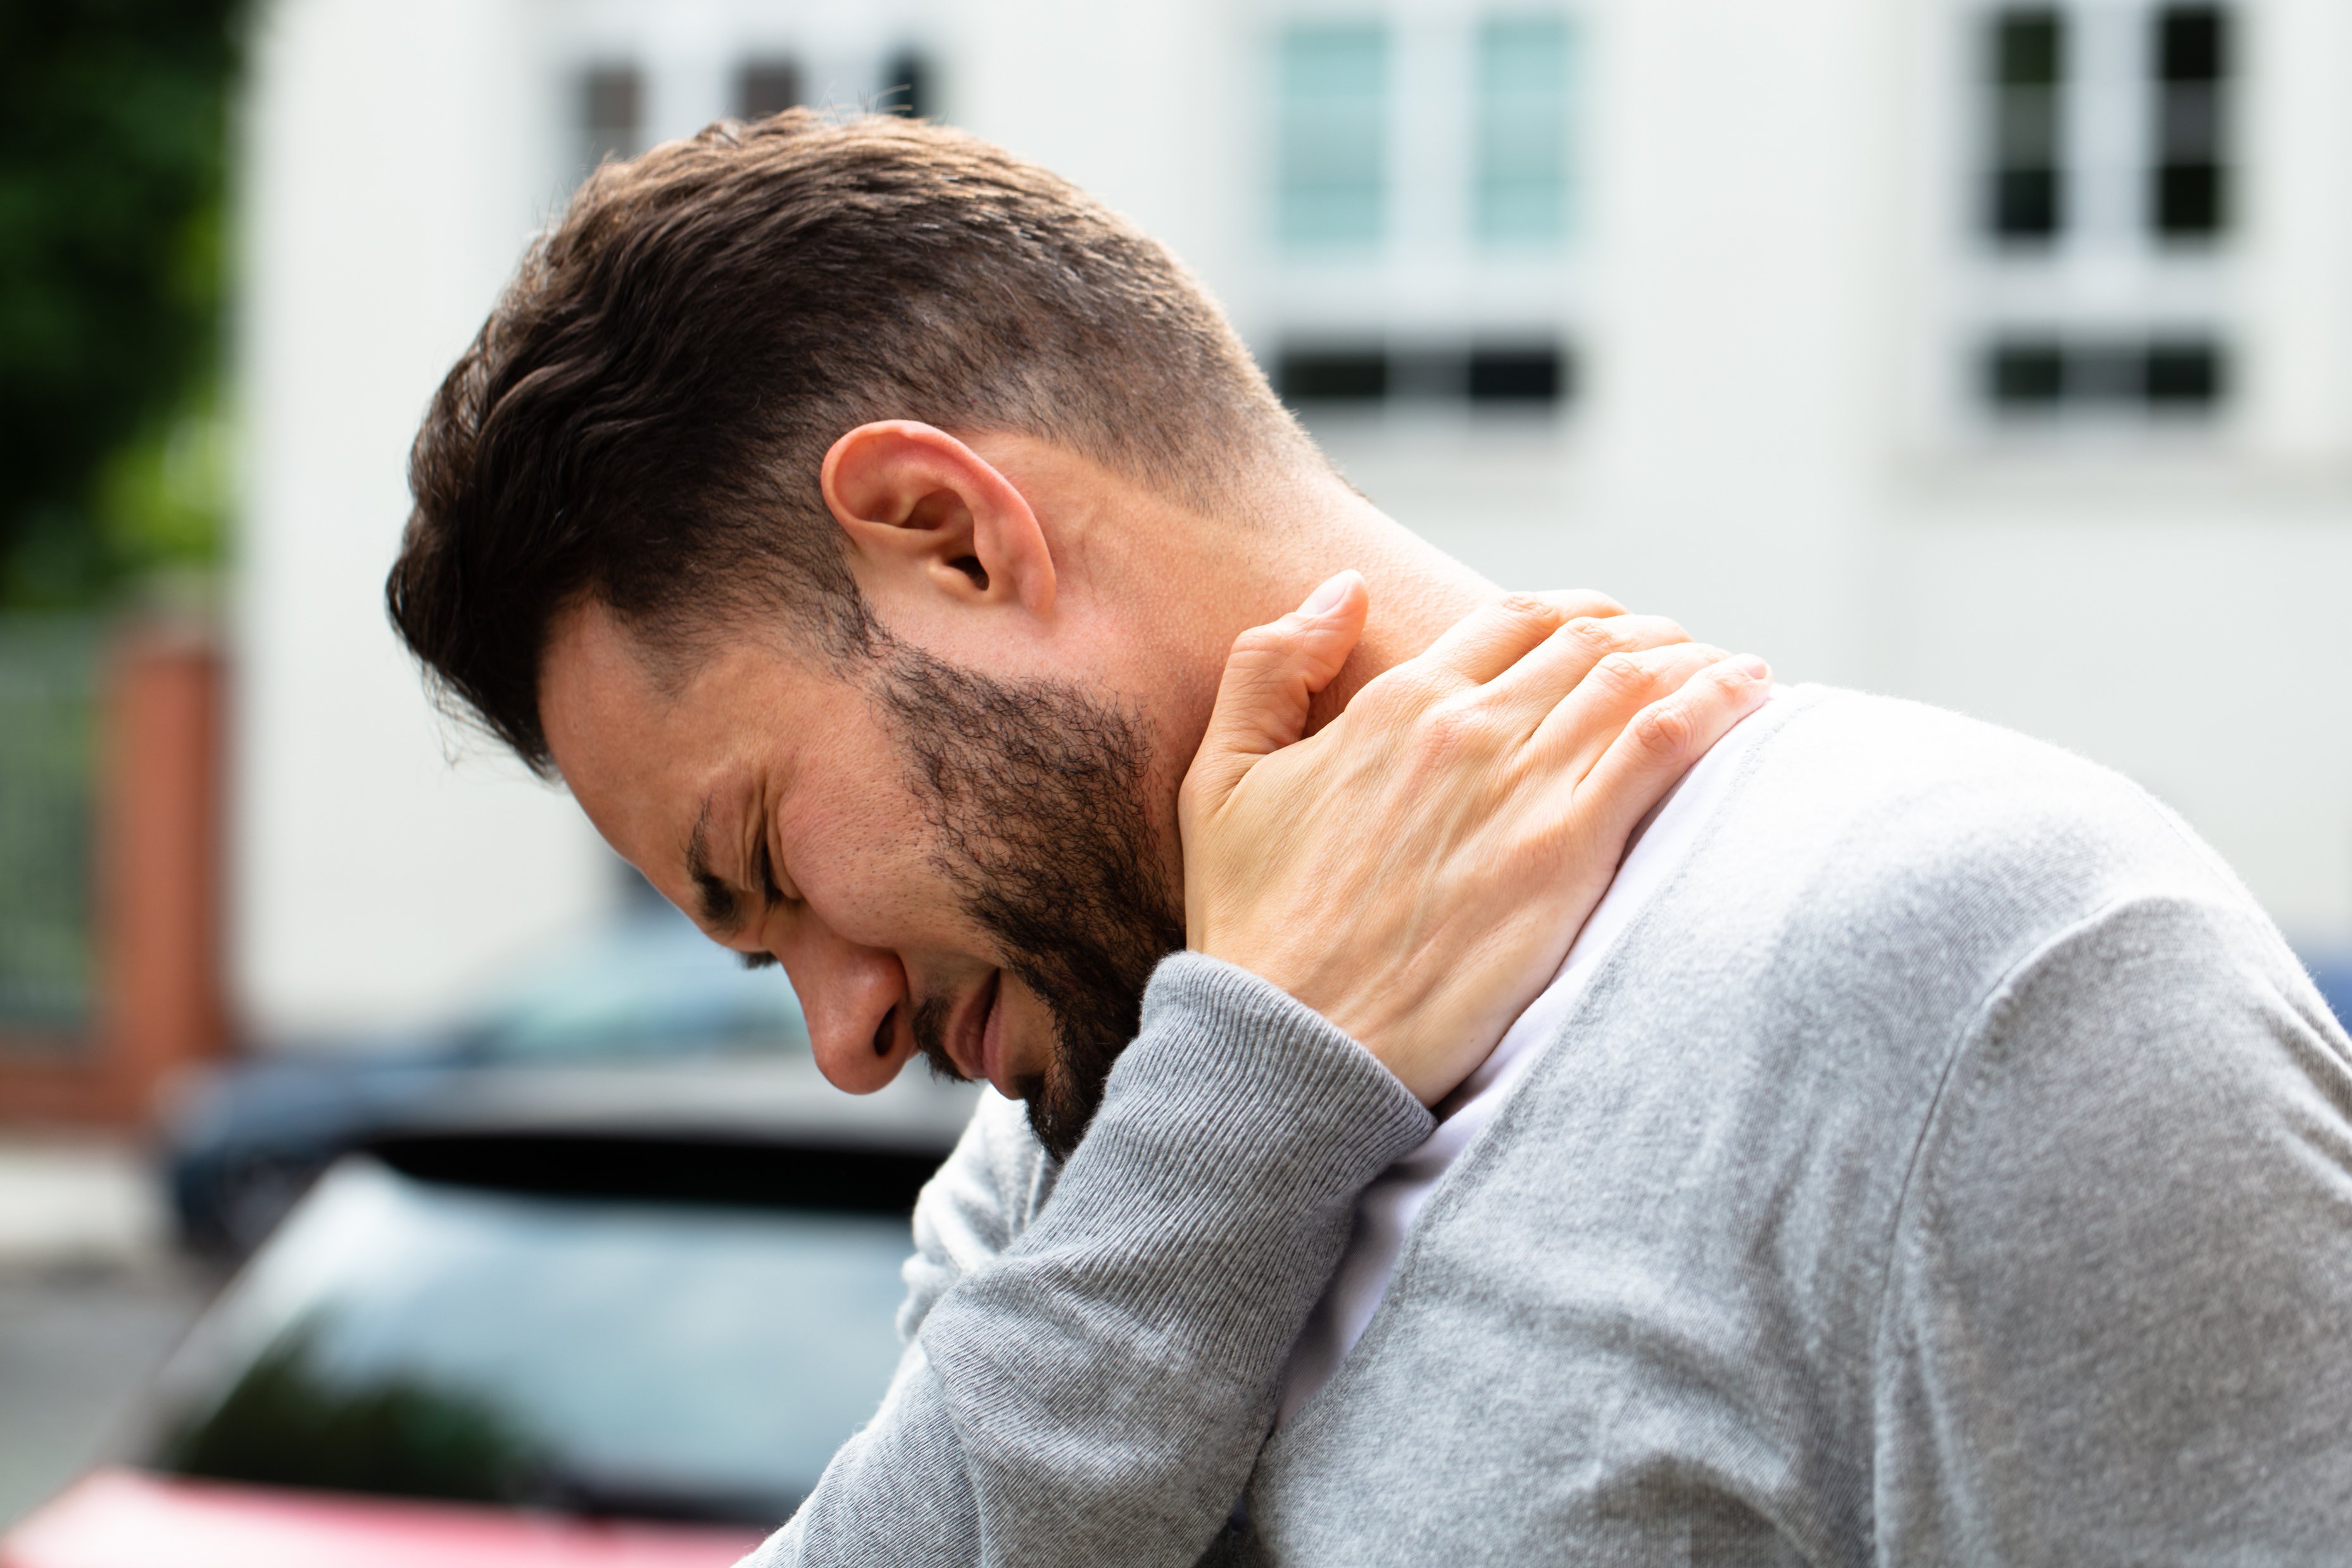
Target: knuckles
column 1664, row 729
column 1596, row 636
column 1459, row 724
column 1622, row 673
column 1524, row 610
column 1394, row 697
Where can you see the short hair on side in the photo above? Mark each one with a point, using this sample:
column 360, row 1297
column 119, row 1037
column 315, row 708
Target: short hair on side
column 642, row 420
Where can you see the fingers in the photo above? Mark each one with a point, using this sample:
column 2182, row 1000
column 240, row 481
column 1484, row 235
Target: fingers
column 1491, row 638
column 1533, row 687
column 1586, row 721
column 1665, row 740
column 1573, row 602
column 1494, row 637
column 1270, row 676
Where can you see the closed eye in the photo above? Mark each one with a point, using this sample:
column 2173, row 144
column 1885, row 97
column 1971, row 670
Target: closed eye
column 756, row 960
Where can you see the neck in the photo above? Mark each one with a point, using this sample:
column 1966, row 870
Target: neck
column 1417, row 589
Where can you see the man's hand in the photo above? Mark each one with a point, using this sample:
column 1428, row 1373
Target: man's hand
column 1417, row 870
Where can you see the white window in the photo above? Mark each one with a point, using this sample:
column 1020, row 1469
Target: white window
column 627, row 74
column 2102, row 199
column 1332, row 168
column 1520, row 190
column 1423, row 161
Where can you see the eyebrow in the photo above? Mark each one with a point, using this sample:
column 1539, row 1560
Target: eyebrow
column 721, row 906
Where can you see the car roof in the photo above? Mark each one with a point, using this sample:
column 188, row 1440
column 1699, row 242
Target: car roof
column 777, row 1102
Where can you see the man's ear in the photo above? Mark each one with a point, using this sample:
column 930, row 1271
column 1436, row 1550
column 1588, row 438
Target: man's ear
column 925, row 509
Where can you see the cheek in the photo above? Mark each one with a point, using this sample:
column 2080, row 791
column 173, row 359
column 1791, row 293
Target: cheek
column 863, row 861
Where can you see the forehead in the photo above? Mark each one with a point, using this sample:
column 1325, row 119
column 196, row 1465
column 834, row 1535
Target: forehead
column 639, row 751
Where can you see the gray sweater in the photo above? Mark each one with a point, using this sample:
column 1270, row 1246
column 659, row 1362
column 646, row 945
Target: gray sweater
column 1950, row 1165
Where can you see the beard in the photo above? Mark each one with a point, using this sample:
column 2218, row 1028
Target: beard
column 1037, row 798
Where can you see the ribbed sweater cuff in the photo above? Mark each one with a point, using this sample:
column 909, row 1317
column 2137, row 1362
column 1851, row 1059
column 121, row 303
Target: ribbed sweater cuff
column 1230, row 1058
column 1243, row 1123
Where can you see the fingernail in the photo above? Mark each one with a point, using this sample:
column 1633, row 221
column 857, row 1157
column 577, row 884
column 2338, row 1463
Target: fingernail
column 1754, row 668
column 1325, row 599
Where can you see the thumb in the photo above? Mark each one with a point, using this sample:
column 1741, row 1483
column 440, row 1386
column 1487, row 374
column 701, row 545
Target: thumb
column 1271, row 674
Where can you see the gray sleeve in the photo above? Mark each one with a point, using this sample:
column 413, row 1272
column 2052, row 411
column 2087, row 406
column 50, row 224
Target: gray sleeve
column 2117, row 1306
column 980, row 1198
column 1096, row 1394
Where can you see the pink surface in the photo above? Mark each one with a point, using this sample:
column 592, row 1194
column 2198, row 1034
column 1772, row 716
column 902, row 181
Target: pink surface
column 124, row 1519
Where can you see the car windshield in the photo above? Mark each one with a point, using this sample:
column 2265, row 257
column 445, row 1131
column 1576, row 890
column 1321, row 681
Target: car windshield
column 423, row 1339
column 651, row 985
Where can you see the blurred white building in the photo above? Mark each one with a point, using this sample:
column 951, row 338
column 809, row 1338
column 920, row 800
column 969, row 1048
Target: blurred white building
column 1997, row 355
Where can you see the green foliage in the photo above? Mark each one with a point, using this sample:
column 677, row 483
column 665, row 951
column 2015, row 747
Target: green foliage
column 113, row 152
column 291, row 1422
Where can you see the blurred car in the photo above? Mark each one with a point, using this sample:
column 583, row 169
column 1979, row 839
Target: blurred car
column 650, row 994
column 2335, row 982
column 577, row 1340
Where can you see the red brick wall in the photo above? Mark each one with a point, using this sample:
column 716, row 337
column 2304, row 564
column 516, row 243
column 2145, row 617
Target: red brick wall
column 161, row 1005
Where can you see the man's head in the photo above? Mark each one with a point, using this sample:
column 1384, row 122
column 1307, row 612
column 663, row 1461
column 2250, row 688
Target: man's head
column 847, row 513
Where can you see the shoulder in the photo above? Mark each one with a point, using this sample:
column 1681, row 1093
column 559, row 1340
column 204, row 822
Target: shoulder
column 2135, row 1184
column 1895, row 817
column 977, row 1205
column 1881, row 871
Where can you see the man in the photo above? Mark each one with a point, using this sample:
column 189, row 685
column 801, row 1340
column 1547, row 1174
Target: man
column 1927, row 1153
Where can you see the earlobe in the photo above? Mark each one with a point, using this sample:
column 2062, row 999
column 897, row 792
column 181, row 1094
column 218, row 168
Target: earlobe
column 922, row 508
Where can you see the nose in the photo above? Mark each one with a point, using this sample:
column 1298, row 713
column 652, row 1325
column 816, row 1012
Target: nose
column 855, row 1000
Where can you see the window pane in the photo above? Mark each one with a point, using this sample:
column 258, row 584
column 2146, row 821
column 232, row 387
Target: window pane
column 1522, row 131
column 2190, row 183
column 2038, row 377
column 907, row 88
column 2030, row 48
column 2192, row 43
column 1530, row 376
column 2025, row 86
column 764, row 88
column 2024, row 375
column 2186, row 375
column 1333, row 81
column 612, row 114
column 48, row 751
column 1332, row 375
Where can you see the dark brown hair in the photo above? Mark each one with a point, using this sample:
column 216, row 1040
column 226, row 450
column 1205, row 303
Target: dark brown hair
column 642, row 419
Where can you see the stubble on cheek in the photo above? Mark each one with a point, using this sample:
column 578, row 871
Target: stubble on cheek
column 1037, row 797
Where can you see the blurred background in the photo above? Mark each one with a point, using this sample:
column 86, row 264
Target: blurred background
column 1997, row 355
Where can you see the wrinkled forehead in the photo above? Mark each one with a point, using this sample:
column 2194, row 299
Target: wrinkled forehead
column 620, row 742
column 647, row 755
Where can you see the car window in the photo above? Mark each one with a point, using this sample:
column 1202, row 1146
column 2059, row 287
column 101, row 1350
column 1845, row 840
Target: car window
column 419, row 1338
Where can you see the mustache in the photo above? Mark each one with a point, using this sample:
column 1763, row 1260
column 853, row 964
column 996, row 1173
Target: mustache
column 928, row 1022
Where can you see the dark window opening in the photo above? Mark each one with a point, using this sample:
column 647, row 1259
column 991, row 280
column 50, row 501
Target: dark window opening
column 2025, row 182
column 1332, row 375
column 766, row 86
column 2029, row 375
column 2185, row 375
column 2032, row 377
column 1486, row 375
column 2192, row 43
column 2190, row 183
column 611, row 113
column 1531, row 375
column 907, row 88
